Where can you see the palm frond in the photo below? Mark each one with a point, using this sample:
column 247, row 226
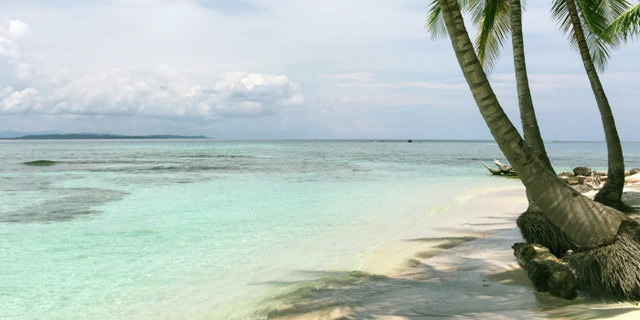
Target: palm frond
column 625, row 26
column 435, row 20
column 594, row 16
column 494, row 27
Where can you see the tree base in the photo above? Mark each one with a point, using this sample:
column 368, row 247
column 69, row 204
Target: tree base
column 535, row 227
column 616, row 204
column 610, row 272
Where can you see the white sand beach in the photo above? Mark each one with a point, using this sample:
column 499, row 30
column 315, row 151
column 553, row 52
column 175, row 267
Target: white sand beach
column 464, row 269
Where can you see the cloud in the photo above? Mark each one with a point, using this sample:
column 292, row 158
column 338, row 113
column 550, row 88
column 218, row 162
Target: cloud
column 9, row 50
column 363, row 80
column 427, row 85
column 165, row 93
column 17, row 29
column 118, row 92
column 18, row 101
column 356, row 76
column 547, row 82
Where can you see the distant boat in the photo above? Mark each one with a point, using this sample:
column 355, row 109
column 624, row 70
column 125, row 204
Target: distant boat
column 409, row 140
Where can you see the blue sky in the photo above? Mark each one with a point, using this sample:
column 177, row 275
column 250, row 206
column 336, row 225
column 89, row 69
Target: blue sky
column 280, row 69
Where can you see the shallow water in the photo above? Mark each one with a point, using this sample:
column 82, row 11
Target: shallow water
column 187, row 229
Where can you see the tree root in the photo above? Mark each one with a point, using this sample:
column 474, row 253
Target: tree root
column 545, row 270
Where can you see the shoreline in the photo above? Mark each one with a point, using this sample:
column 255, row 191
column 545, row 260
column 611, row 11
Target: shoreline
column 365, row 262
column 392, row 256
column 464, row 269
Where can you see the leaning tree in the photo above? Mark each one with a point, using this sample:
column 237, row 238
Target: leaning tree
column 610, row 261
column 496, row 19
column 584, row 21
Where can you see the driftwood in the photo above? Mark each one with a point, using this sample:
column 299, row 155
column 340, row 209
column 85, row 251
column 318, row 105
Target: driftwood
column 546, row 271
column 582, row 179
column 503, row 169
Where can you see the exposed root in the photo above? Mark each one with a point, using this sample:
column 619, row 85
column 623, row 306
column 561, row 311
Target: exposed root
column 610, row 272
column 535, row 227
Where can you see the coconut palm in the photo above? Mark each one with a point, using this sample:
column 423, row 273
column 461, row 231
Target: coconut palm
column 591, row 225
column 565, row 207
column 498, row 18
column 583, row 21
column 626, row 25
column 495, row 20
column 594, row 16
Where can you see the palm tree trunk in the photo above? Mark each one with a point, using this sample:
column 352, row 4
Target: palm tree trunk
column 611, row 192
column 527, row 114
column 588, row 223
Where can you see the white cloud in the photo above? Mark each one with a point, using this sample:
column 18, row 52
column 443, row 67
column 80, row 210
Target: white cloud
column 8, row 49
column 356, row 76
column 363, row 80
column 165, row 93
column 426, row 85
column 19, row 101
column 17, row 29
column 541, row 83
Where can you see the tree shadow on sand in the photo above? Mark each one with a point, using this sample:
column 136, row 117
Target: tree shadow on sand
column 426, row 290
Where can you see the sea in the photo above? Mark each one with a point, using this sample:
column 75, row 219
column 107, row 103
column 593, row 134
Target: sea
column 211, row 229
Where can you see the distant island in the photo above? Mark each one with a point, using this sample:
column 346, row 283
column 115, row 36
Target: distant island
column 96, row 136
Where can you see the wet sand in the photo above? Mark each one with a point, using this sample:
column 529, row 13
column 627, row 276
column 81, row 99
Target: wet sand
column 464, row 269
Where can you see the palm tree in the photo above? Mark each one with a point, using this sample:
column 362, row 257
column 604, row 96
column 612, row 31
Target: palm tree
column 590, row 224
column 498, row 18
column 625, row 26
column 495, row 19
column 584, row 22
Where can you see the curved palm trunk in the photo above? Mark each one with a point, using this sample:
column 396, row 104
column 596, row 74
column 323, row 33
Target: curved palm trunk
column 589, row 223
column 527, row 114
column 611, row 192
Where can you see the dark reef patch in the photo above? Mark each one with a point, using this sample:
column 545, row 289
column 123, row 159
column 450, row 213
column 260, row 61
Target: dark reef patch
column 70, row 204
column 40, row 163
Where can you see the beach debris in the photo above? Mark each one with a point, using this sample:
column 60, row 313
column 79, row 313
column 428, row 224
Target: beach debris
column 634, row 178
column 581, row 179
column 503, row 169
column 582, row 171
column 545, row 270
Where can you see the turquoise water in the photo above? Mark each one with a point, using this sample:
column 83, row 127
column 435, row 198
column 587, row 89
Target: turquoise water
column 192, row 229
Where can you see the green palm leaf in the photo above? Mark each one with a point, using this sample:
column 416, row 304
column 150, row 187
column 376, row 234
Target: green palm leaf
column 625, row 26
column 492, row 19
column 595, row 16
column 435, row 20
column 493, row 28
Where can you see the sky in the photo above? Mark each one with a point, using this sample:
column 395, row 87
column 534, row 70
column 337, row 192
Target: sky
column 276, row 69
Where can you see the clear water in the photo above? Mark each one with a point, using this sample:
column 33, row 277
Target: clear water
column 184, row 229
